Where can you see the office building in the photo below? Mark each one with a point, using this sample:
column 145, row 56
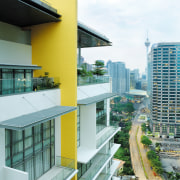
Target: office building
column 127, row 80
column 149, row 74
column 165, row 98
column 120, row 77
column 38, row 117
column 134, row 78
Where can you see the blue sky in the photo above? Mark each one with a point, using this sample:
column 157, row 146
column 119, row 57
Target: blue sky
column 125, row 23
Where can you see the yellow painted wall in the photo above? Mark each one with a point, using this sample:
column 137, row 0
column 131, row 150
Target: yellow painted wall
column 54, row 47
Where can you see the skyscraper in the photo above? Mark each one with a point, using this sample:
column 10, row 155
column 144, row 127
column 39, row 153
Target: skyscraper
column 120, row 77
column 147, row 44
column 165, row 97
column 134, row 78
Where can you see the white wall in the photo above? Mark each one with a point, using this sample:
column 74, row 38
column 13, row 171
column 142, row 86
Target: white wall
column 15, row 53
column 92, row 90
column 88, row 126
column 11, row 174
column 16, row 105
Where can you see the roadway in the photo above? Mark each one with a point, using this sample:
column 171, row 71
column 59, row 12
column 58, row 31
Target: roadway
column 135, row 156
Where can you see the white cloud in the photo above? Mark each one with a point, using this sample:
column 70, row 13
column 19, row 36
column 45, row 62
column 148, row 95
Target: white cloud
column 126, row 22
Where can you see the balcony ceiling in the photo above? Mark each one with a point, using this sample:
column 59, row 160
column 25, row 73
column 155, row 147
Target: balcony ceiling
column 35, row 118
column 88, row 37
column 24, row 13
column 95, row 99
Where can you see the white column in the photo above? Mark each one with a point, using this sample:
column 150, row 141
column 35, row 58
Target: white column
column 88, row 126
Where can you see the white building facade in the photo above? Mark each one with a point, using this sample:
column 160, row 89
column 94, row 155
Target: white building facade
column 95, row 133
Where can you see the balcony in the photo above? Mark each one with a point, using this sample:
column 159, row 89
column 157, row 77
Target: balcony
column 106, row 134
column 81, row 81
column 64, row 169
column 97, row 163
column 21, row 85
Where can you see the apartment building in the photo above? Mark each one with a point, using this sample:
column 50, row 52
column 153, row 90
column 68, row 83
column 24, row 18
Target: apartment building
column 39, row 131
column 95, row 133
column 165, row 87
column 38, row 118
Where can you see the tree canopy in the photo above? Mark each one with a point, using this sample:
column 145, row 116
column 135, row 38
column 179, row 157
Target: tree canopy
column 99, row 68
column 143, row 127
column 145, row 140
column 155, row 162
column 151, row 155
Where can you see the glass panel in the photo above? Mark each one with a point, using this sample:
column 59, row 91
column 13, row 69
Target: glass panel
column 17, row 147
column 19, row 166
column 28, row 82
column 27, row 152
column 100, row 115
column 29, row 167
column 7, row 83
column 17, row 158
column 19, row 81
column 46, row 159
column 38, row 165
column 52, row 155
column 16, row 136
column 37, row 134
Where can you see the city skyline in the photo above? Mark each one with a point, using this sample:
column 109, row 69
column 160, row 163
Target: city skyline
column 126, row 23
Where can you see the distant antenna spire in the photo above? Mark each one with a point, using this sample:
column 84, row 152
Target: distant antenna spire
column 147, row 43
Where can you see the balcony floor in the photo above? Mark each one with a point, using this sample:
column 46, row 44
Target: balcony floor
column 60, row 173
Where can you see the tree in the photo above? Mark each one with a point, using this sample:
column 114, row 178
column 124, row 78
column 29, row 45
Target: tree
column 143, row 127
column 151, row 155
column 117, row 99
column 99, row 71
column 145, row 141
column 155, row 162
column 157, row 166
column 83, row 71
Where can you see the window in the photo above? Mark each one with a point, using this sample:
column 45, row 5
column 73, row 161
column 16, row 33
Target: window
column 101, row 116
column 164, row 129
column 15, row 81
column 31, row 150
column 157, row 128
column 82, row 168
column 171, row 129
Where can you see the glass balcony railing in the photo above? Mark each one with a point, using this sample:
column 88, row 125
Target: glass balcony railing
column 97, row 162
column 105, row 134
column 92, row 80
column 104, row 176
column 20, row 85
column 62, row 169
column 67, row 168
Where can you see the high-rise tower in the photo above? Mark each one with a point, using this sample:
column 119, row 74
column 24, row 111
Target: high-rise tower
column 165, row 97
column 148, row 75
